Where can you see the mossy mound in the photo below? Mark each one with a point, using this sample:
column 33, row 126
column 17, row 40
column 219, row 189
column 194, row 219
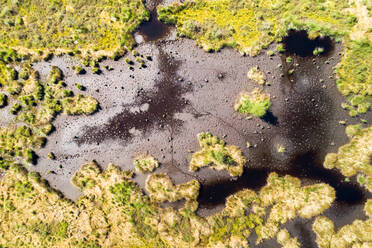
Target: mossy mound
column 354, row 157
column 257, row 76
column 161, row 188
column 357, row 234
column 355, row 77
column 145, row 163
column 35, row 104
column 216, row 154
column 113, row 212
column 87, row 29
column 255, row 103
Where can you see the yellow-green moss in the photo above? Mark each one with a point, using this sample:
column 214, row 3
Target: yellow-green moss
column 255, row 103
column 161, row 188
column 357, row 234
column 35, row 104
column 256, row 75
column 145, row 163
column 355, row 76
column 113, row 212
column 249, row 26
column 216, row 154
column 87, row 29
column 354, row 157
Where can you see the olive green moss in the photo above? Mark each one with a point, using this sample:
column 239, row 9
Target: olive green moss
column 161, row 188
column 145, row 163
column 35, row 104
column 257, row 76
column 3, row 100
column 354, row 157
column 216, row 154
column 357, row 234
column 114, row 212
column 255, row 103
column 249, row 26
column 87, row 29
column 19, row 142
column 355, row 76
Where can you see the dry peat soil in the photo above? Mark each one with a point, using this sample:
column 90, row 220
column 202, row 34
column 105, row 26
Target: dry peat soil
column 184, row 91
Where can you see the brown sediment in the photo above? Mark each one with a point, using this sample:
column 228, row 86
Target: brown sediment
column 164, row 100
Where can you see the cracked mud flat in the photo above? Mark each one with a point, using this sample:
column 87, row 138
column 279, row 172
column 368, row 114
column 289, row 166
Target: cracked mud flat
column 184, row 91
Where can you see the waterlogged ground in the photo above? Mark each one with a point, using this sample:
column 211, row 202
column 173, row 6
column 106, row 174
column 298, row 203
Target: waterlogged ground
column 155, row 102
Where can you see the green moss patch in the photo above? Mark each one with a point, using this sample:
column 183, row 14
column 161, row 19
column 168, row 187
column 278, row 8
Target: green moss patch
column 255, row 103
column 354, row 157
column 257, row 76
column 35, row 104
column 113, row 211
column 355, row 76
column 161, row 188
column 87, row 29
column 145, row 163
column 216, row 154
column 357, row 234
column 249, row 26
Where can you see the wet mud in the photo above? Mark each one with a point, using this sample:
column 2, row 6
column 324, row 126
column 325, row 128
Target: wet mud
column 306, row 122
column 158, row 108
column 154, row 29
column 185, row 91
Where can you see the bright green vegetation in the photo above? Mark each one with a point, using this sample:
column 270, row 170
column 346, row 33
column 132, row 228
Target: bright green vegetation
column 318, row 50
column 249, row 26
column 145, row 163
column 216, row 154
column 113, row 212
column 255, row 103
column 357, row 234
column 161, row 188
column 35, row 104
column 355, row 76
column 87, row 29
column 281, row 149
column 256, row 75
column 354, row 157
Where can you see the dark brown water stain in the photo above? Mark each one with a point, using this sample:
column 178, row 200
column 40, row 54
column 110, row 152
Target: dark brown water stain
column 154, row 29
column 298, row 43
column 305, row 121
column 164, row 100
column 215, row 193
